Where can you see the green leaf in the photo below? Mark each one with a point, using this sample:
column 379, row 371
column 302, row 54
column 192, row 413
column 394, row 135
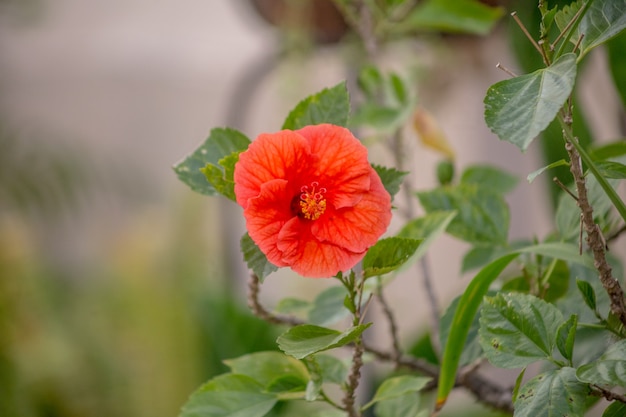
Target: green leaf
column 307, row 339
column 531, row 177
column 370, row 81
column 603, row 21
column 397, row 386
column 555, row 393
column 381, row 117
column 333, row 370
column 565, row 337
column 220, row 143
column 453, row 16
column 229, row 395
column 407, row 405
column 609, row 370
column 518, row 329
column 328, row 307
column 568, row 213
column 222, row 178
column 560, row 250
column 267, row 367
column 588, row 293
column 387, row 255
column 391, row 178
column 256, row 260
column 520, row 108
column 611, row 169
column 495, row 179
column 617, row 64
column 518, row 384
column 477, row 256
column 472, row 350
column 608, row 150
column 471, row 299
column 616, row 409
column 482, row 215
column 331, row 105
column 427, row 229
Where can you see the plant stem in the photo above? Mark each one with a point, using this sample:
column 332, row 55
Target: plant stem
column 357, row 355
column 594, row 238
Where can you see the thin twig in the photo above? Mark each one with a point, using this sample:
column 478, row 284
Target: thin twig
column 393, row 327
column 616, row 234
column 260, row 311
column 530, row 38
column 594, row 240
column 609, row 395
column 354, row 378
column 564, row 188
column 505, row 69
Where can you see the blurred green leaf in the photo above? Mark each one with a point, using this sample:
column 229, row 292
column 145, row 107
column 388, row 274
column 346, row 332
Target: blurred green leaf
column 307, row 339
column 482, row 215
column 229, row 395
column 471, row 350
column 611, row 169
column 255, row 259
column 588, row 293
column 551, row 394
column 427, row 229
column 471, row 299
column 616, row 409
column 397, row 386
column 560, row 250
column 531, row 177
column 391, row 178
column 328, row 306
column 520, row 108
column 565, row 337
column 408, row 404
column 617, row 63
column 601, row 22
column 387, row 255
column 267, row 367
column 608, row 150
column 518, row 329
column 453, row 16
column 331, row 105
column 609, row 370
column 220, row 143
column 496, row 179
column 568, row 214
column 333, row 370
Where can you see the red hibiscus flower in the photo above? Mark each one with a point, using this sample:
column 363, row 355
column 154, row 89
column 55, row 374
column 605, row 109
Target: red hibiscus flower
column 311, row 199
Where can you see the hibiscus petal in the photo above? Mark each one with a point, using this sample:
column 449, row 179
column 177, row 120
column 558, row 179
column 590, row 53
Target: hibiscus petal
column 341, row 163
column 311, row 258
column 359, row 227
column 281, row 155
column 266, row 215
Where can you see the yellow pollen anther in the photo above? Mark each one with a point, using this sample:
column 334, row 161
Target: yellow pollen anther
column 312, row 202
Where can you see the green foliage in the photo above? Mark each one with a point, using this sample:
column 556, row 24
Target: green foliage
column 600, row 23
column 519, row 109
column 391, row 178
column 388, row 255
column 228, row 395
column 256, row 260
column 215, row 152
column 396, row 387
column 471, row 349
column 461, row 323
column 387, row 105
column 482, row 214
column 453, row 16
column 552, row 394
column 306, row 339
column 616, row 409
column 331, row 105
column 609, row 370
column 518, row 329
column 427, row 229
column 499, row 181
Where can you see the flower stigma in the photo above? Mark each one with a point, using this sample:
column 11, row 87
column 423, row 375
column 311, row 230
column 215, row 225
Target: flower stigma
column 312, row 201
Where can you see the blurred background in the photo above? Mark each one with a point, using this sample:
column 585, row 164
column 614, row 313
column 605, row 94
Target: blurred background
column 120, row 289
